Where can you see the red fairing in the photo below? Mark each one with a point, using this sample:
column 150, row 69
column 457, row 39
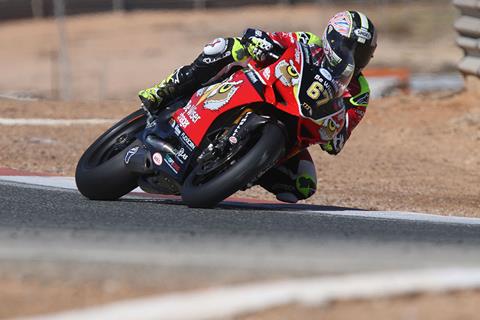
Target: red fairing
column 283, row 84
column 285, row 39
column 209, row 102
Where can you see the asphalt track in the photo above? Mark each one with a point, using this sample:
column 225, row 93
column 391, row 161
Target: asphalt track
column 60, row 225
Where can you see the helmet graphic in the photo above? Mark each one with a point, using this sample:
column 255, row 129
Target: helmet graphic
column 349, row 41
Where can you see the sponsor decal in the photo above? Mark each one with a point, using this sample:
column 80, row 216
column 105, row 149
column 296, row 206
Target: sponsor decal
column 303, row 37
column 200, row 91
column 130, row 154
column 240, row 124
column 181, row 155
column 189, row 143
column 266, row 74
column 172, row 164
column 297, row 55
column 292, row 39
column 363, row 35
column 209, row 60
column 151, row 124
column 362, row 99
column 215, row 47
column 177, row 129
column 326, row 74
column 328, row 89
column 191, row 111
column 233, row 140
column 183, row 121
column 306, row 109
column 218, row 95
column 287, row 73
column 252, row 77
column 157, row 158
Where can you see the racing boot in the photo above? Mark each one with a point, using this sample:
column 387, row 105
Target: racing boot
column 179, row 83
column 293, row 180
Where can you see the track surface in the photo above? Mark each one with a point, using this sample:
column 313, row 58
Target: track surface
column 54, row 224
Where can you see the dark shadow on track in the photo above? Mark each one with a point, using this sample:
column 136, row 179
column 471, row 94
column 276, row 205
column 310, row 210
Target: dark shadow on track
column 239, row 205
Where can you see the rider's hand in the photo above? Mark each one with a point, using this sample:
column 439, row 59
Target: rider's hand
column 335, row 145
column 258, row 44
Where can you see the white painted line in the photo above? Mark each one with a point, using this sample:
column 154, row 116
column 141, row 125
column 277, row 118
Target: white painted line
column 17, row 96
column 52, row 122
column 69, row 183
column 51, row 182
column 399, row 215
column 225, row 302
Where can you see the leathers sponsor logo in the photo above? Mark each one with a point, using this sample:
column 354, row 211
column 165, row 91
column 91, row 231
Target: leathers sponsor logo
column 215, row 47
column 209, row 60
column 304, row 37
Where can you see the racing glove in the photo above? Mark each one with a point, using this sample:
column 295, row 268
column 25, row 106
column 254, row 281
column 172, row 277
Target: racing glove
column 258, row 44
column 335, row 145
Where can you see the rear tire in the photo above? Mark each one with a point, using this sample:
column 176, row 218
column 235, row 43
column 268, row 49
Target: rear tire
column 269, row 148
column 101, row 173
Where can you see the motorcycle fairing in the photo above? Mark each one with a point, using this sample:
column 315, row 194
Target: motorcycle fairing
column 207, row 103
column 320, row 117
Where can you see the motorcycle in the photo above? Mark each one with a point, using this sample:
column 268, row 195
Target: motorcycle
column 221, row 139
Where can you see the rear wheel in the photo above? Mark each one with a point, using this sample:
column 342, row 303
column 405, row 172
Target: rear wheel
column 101, row 173
column 202, row 189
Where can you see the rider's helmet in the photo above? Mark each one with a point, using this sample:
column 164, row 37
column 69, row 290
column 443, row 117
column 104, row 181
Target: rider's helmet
column 349, row 41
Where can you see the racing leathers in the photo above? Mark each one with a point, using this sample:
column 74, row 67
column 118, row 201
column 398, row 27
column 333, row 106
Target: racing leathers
column 294, row 179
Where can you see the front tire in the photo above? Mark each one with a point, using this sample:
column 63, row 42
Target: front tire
column 101, row 173
column 269, row 148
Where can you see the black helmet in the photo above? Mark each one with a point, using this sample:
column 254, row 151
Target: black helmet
column 349, row 35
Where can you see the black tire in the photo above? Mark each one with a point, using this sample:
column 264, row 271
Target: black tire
column 269, row 148
column 101, row 173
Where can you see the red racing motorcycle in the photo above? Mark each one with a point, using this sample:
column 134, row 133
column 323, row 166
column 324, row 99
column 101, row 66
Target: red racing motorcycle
column 221, row 139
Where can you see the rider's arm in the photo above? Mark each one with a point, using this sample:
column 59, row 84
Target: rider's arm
column 356, row 101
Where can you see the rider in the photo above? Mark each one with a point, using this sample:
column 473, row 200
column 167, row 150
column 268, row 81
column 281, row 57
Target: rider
column 346, row 47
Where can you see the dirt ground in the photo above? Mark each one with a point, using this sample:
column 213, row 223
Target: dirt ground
column 49, row 286
column 30, row 294
column 112, row 56
column 458, row 306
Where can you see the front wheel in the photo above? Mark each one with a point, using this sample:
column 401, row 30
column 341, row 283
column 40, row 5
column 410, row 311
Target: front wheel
column 101, row 173
column 262, row 155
